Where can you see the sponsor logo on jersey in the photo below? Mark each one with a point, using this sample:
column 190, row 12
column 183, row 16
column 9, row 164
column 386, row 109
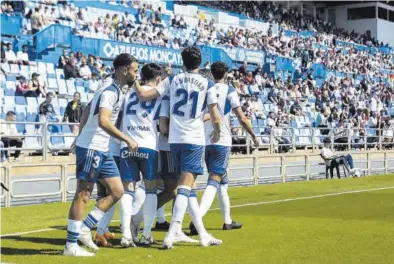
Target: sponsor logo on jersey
column 134, row 154
column 140, row 128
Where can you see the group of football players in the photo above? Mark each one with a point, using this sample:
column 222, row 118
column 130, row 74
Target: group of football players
column 144, row 141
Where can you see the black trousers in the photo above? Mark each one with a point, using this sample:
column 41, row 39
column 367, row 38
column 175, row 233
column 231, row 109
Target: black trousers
column 12, row 142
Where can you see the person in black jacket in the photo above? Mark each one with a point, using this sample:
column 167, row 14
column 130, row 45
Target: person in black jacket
column 70, row 70
column 73, row 112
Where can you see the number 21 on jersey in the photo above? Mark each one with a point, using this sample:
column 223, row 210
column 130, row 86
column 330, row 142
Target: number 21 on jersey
column 184, row 98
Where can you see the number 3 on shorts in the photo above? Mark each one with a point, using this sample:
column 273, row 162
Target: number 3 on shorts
column 96, row 162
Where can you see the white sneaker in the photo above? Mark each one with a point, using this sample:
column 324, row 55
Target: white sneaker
column 182, row 237
column 168, row 241
column 352, row 171
column 127, row 242
column 134, row 231
column 209, row 240
column 77, row 251
column 86, row 239
column 147, row 240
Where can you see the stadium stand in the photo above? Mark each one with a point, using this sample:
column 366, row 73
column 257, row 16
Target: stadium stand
column 281, row 63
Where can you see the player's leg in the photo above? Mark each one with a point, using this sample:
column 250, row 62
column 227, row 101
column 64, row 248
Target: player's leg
column 149, row 172
column 137, row 215
column 87, row 170
column 129, row 171
column 161, row 223
column 224, row 202
column 102, row 235
column 109, row 176
column 188, row 160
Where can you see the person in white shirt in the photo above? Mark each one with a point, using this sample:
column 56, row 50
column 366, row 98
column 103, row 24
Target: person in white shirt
column 8, row 131
column 374, row 104
column 347, row 160
column 10, row 56
column 84, row 70
column 188, row 93
column 92, row 158
column 22, row 55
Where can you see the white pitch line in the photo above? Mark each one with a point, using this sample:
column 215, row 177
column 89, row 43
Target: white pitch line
column 234, row 206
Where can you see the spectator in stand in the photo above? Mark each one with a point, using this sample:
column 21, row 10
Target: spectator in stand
column 73, row 112
column 36, row 21
column 296, row 109
column 22, row 55
column 93, row 83
column 84, row 69
column 70, row 70
column 10, row 56
column 63, row 60
column 35, row 85
column 8, row 135
column 22, row 88
column 46, row 110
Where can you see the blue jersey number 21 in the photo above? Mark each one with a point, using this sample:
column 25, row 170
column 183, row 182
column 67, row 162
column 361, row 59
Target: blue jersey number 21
column 183, row 94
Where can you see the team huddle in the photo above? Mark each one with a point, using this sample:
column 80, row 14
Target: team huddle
column 144, row 144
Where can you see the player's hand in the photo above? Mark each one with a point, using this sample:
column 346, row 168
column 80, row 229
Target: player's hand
column 256, row 141
column 215, row 136
column 132, row 145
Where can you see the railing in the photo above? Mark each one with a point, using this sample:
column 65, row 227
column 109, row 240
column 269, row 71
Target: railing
column 274, row 140
column 243, row 170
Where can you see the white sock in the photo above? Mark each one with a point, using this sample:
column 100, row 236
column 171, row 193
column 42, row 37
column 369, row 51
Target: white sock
column 224, row 201
column 92, row 219
column 102, row 226
column 180, row 206
column 139, row 199
column 194, row 211
column 209, row 196
column 161, row 218
column 73, row 230
column 150, row 208
column 126, row 204
column 138, row 217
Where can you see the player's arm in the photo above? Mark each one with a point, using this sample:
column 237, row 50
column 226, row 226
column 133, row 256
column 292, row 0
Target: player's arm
column 215, row 119
column 108, row 100
column 243, row 120
column 164, row 116
column 146, row 95
column 207, row 117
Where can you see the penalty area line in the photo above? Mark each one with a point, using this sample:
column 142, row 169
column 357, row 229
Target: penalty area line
column 233, row 206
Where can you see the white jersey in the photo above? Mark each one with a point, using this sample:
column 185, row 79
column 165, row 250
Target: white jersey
column 227, row 99
column 189, row 95
column 93, row 136
column 164, row 112
column 140, row 120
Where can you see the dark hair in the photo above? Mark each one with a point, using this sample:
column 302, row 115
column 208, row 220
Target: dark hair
column 9, row 113
column 124, row 59
column 49, row 93
column 77, row 93
column 219, row 69
column 191, row 57
column 150, row 71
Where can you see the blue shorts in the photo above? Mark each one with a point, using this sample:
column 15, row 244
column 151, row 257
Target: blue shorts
column 93, row 165
column 188, row 158
column 143, row 161
column 216, row 158
column 117, row 161
column 166, row 166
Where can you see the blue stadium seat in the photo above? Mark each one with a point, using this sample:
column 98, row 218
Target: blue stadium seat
column 20, row 100
column 20, row 117
column 62, row 86
column 10, row 88
column 70, row 87
column 14, row 68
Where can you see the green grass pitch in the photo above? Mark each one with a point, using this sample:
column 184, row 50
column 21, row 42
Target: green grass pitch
column 354, row 225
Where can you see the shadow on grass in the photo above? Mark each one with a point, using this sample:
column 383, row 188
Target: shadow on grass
column 39, row 240
column 7, row 251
